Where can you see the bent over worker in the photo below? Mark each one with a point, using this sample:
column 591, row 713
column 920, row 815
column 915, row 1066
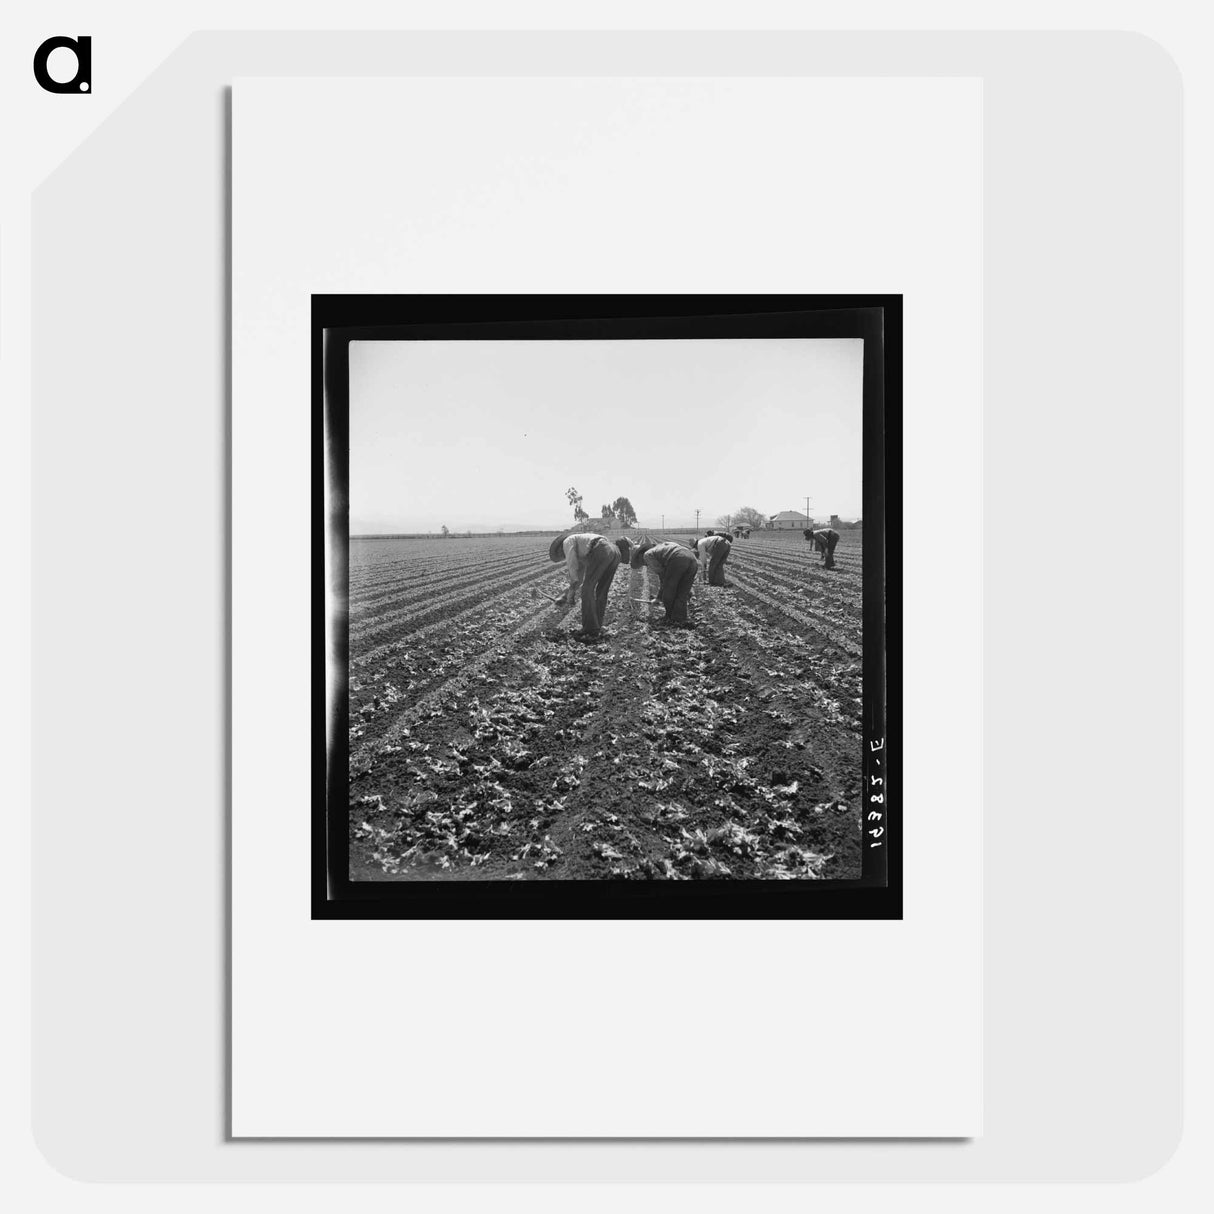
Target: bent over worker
column 590, row 563
column 674, row 568
column 713, row 551
column 824, row 542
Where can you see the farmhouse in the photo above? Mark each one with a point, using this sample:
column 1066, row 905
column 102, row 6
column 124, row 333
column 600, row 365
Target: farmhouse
column 788, row 520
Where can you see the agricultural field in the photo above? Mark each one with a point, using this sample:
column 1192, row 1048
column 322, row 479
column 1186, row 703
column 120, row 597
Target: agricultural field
column 487, row 744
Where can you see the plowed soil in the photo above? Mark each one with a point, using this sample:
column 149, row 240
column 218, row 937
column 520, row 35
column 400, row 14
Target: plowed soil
column 487, row 743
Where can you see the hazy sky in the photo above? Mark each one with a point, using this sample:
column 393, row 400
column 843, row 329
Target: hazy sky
column 489, row 433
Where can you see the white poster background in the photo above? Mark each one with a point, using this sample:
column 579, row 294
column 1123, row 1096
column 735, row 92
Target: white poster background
column 351, row 1028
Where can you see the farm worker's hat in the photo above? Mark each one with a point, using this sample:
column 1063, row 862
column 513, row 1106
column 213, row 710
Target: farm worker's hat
column 556, row 550
column 624, row 546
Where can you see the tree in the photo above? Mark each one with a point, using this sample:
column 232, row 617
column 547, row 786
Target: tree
column 622, row 509
column 445, row 531
column 725, row 520
column 748, row 516
column 574, row 498
column 608, row 513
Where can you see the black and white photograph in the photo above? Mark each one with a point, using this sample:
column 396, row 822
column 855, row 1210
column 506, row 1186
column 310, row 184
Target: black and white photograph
column 604, row 607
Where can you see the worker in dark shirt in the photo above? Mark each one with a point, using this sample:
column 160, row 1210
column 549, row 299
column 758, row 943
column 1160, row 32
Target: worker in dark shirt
column 672, row 568
column 824, row 542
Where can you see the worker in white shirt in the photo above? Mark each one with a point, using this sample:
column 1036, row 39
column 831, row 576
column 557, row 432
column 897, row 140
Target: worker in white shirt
column 825, row 541
column 672, row 573
column 713, row 551
column 590, row 563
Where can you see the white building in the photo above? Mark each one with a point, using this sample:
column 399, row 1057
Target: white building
column 789, row 520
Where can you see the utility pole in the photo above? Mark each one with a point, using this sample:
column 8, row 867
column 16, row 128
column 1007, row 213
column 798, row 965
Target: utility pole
column 697, row 521
column 663, row 524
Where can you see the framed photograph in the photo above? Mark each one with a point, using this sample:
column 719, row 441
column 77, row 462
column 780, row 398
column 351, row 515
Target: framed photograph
column 602, row 610
column 463, row 769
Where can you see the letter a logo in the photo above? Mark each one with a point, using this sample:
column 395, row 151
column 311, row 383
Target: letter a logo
column 82, row 48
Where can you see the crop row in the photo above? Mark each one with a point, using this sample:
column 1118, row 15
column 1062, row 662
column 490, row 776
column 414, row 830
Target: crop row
column 419, row 584
column 421, row 569
column 838, row 599
column 636, row 759
column 781, row 661
column 462, row 664
column 365, row 572
column 847, row 570
column 472, row 618
column 836, row 632
column 407, row 616
column 826, row 598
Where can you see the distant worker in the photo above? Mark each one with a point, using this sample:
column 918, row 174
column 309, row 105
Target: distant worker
column 590, row 562
column 713, row 551
column 672, row 573
column 824, row 542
